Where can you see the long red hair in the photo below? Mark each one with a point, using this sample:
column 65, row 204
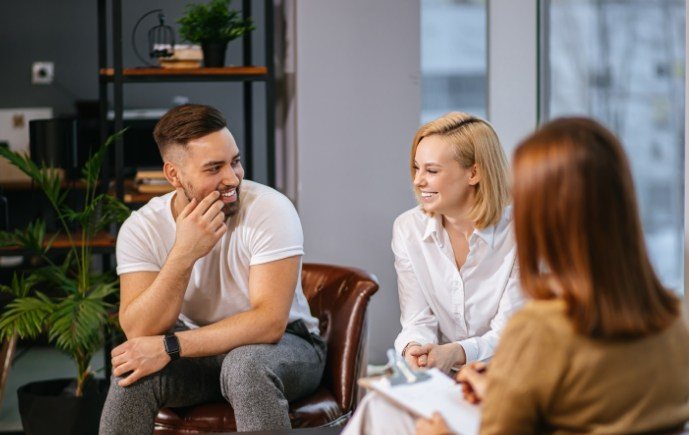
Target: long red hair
column 579, row 235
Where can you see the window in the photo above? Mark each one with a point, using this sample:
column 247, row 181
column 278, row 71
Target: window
column 453, row 57
column 622, row 63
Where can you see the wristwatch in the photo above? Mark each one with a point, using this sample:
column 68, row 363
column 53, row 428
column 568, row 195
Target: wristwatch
column 172, row 346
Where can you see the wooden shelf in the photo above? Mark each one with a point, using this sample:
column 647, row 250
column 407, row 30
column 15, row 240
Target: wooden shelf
column 131, row 194
column 30, row 185
column 100, row 240
column 230, row 73
column 103, row 240
column 135, row 197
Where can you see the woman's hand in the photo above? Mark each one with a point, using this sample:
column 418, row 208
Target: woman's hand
column 414, row 358
column 435, row 425
column 442, row 356
column 474, row 382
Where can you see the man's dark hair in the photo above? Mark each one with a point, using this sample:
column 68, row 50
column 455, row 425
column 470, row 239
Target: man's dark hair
column 187, row 122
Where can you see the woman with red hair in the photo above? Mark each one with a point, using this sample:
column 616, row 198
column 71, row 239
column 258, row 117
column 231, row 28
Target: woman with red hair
column 603, row 346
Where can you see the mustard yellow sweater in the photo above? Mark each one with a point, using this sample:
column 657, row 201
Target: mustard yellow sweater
column 545, row 378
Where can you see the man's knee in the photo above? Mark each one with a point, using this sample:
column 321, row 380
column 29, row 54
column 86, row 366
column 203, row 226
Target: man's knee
column 245, row 369
column 144, row 390
column 130, row 409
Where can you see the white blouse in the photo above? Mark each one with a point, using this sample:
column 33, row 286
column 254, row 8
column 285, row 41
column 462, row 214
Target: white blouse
column 441, row 304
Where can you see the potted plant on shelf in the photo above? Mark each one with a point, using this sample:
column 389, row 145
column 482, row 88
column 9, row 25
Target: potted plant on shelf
column 213, row 25
column 68, row 301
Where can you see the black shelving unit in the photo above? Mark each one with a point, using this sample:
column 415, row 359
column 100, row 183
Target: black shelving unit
column 248, row 75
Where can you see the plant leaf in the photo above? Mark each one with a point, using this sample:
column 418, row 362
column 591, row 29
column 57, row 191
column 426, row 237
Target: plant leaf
column 30, row 238
column 91, row 170
column 56, row 276
column 212, row 22
column 19, row 287
column 25, row 316
column 112, row 211
column 76, row 324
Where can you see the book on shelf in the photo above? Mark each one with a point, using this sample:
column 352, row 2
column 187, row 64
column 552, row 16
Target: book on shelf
column 154, row 188
column 152, row 181
column 150, row 174
column 184, row 56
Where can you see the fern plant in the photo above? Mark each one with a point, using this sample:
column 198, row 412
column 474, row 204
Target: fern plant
column 68, row 301
column 213, row 22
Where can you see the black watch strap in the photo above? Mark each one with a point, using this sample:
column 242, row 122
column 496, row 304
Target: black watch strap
column 172, row 346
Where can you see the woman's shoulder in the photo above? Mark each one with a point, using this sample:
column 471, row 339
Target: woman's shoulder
column 544, row 309
column 411, row 220
column 545, row 316
column 414, row 214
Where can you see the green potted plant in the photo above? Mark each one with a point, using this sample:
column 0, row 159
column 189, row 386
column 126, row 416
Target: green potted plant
column 68, row 301
column 213, row 25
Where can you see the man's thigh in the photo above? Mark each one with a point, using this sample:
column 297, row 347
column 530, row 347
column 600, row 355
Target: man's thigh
column 189, row 381
column 294, row 361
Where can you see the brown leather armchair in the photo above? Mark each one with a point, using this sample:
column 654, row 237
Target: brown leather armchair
column 338, row 297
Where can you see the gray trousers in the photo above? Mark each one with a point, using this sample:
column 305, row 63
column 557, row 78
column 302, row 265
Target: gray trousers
column 258, row 380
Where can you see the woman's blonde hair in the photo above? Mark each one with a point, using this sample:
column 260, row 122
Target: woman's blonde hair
column 473, row 142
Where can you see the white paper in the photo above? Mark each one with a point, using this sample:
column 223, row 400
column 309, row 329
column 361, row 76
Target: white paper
column 438, row 394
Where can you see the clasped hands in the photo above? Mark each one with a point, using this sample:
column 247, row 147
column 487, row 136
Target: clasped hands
column 474, row 384
column 442, row 356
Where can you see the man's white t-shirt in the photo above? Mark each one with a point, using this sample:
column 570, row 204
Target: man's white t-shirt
column 266, row 228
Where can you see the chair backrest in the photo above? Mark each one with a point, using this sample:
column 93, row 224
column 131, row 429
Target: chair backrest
column 338, row 297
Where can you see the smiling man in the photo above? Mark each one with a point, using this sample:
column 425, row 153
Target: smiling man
column 211, row 297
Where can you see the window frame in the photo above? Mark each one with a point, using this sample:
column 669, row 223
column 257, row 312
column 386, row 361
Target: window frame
column 518, row 27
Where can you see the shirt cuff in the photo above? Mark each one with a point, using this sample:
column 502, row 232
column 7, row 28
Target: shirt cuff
column 406, row 337
column 470, row 346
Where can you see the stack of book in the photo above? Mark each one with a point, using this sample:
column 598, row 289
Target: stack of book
column 152, row 181
column 185, row 56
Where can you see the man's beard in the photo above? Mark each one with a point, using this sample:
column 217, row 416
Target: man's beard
column 229, row 209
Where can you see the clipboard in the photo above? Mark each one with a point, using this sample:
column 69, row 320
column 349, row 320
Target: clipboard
column 437, row 394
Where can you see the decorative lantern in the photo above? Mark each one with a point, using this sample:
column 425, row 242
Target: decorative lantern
column 161, row 38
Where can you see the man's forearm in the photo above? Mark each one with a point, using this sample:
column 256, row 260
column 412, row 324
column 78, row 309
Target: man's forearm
column 157, row 308
column 249, row 327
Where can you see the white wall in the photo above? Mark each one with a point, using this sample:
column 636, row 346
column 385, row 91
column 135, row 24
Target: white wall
column 357, row 106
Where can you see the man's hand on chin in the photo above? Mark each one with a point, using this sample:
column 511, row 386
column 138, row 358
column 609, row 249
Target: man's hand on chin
column 140, row 356
column 199, row 226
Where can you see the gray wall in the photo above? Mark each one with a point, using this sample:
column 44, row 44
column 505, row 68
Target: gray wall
column 358, row 105
column 65, row 32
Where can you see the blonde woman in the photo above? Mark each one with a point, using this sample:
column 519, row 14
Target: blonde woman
column 454, row 255
column 455, row 252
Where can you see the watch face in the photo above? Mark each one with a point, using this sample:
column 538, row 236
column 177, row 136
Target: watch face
column 171, row 344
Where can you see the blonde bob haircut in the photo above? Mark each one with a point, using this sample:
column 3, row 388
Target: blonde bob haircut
column 474, row 142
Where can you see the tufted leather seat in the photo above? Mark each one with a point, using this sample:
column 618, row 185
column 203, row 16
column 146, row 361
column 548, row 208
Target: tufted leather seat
column 338, row 297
